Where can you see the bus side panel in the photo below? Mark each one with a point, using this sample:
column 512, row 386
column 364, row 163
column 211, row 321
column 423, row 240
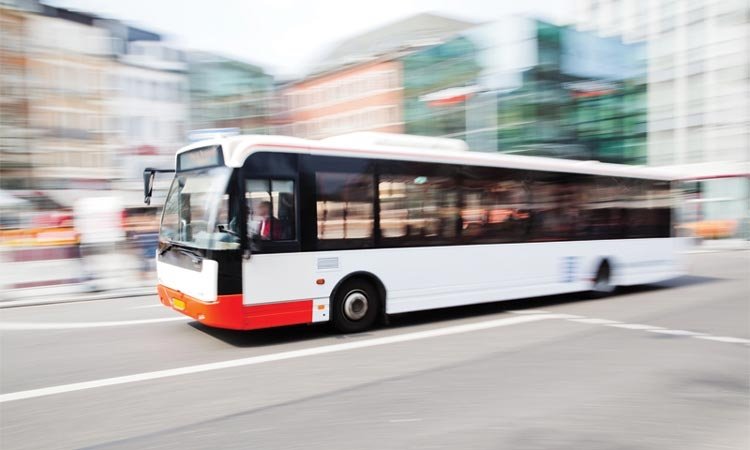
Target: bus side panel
column 433, row 277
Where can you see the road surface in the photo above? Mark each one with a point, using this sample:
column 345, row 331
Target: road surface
column 665, row 366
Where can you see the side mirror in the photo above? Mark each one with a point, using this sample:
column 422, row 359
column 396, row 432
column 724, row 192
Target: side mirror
column 148, row 185
column 148, row 182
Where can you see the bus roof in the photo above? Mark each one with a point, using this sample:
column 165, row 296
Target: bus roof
column 236, row 149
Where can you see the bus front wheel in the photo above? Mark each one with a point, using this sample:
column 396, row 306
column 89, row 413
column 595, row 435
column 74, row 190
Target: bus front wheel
column 356, row 306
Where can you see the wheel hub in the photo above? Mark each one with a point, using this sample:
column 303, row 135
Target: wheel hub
column 355, row 305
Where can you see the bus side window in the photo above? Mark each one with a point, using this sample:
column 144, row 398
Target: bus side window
column 495, row 209
column 416, row 208
column 344, row 204
column 271, row 209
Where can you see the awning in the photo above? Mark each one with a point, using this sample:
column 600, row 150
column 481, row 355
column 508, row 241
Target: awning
column 450, row 96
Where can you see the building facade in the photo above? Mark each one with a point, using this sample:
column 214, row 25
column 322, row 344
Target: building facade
column 516, row 85
column 67, row 62
column 558, row 92
column 86, row 100
column 698, row 73
column 698, row 78
column 147, row 106
column 15, row 166
column 226, row 93
column 366, row 97
column 373, row 81
column 435, row 81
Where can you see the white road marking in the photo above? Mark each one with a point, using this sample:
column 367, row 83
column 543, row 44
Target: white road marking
column 731, row 340
column 633, row 326
column 639, row 326
column 569, row 316
column 594, row 321
column 677, row 332
column 528, row 311
column 445, row 331
column 21, row 326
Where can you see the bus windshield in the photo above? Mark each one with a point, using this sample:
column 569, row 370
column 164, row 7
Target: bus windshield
column 197, row 211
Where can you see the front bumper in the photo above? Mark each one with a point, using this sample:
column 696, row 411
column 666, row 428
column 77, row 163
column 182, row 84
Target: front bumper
column 229, row 312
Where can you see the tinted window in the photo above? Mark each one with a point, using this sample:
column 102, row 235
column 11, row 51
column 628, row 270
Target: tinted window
column 344, row 205
column 647, row 208
column 605, row 214
column 495, row 206
column 418, row 208
column 557, row 209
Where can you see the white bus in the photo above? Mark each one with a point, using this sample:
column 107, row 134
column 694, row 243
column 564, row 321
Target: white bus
column 265, row 231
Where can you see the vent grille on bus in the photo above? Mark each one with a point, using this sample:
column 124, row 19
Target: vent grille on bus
column 328, row 263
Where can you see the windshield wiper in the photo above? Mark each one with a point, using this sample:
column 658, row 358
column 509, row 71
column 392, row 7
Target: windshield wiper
column 166, row 248
column 190, row 252
column 187, row 251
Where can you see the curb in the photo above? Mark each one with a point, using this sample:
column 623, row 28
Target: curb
column 39, row 301
column 714, row 247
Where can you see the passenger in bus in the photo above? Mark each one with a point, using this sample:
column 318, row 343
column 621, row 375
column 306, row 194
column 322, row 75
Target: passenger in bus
column 270, row 227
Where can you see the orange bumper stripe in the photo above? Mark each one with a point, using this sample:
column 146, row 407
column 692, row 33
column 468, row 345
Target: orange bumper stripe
column 229, row 312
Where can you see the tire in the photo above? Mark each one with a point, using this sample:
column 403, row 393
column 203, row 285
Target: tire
column 603, row 286
column 356, row 306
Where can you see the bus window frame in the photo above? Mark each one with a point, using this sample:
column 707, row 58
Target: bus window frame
column 393, row 167
column 311, row 165
column 258, row 246
column 301, row 168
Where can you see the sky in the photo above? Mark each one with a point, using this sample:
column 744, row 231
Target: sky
column 287, row 36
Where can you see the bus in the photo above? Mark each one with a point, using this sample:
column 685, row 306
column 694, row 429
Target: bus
column 267, row 231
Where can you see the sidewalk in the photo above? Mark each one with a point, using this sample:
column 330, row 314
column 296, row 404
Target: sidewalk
column 38, row 282
column 720, row 245
column 50, row 298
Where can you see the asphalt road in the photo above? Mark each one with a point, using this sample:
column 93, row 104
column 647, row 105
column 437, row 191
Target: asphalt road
column 665, row 366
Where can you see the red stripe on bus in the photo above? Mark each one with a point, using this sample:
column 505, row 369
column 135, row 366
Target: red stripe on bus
column 278, row 314
column 229, row 311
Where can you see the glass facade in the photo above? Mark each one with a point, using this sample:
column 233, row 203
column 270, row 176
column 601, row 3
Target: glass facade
column 228, row 94
column 451, row 64
column 584, row 99
column 544, row 90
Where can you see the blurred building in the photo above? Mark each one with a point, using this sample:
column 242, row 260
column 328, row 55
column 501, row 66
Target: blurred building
column 698, row 66
column 698, row 91
column 367, row 96
column 226, row 93
column 86, row 100
column 515, row 85
column 359, row 84
column 147, row 103
column 67, row 62
column 14, row 151
column 557, row 92
column 438, row 80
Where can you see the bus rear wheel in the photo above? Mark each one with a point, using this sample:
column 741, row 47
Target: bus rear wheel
column 356, row 305
column 603, row 281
